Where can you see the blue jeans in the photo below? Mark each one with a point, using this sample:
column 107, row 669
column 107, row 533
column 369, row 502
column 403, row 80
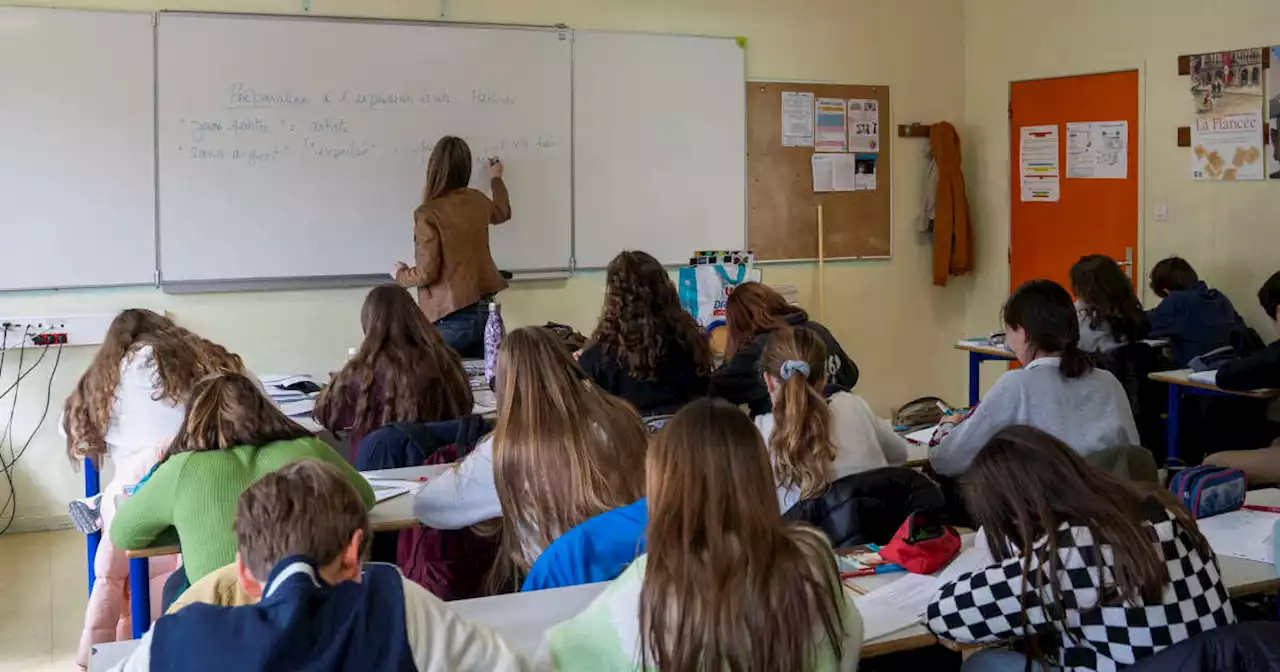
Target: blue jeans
column 463, row 330
column 999, row 660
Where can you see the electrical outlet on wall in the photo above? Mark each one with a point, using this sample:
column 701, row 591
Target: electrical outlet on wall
column 38, row 332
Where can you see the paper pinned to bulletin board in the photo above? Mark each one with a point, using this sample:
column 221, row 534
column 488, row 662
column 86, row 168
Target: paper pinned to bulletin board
column 830, row 125
column 1273, row 114
column 864, row 125
column 1038, row 163
column 1227, row 131
column 797, row 119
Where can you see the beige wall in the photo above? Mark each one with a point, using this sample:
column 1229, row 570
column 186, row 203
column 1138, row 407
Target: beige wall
column 1229, row 231
column 891, row 320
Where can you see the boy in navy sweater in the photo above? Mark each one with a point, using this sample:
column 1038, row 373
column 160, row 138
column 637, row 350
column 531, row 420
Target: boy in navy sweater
column 302, row 532
column 1195, row 318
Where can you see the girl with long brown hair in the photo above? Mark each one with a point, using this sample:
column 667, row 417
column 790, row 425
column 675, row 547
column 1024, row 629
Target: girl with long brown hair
column 231, row 435
column 725, row 585
column 813, row 441
column 1115, row 575
column 1109, row 311
column 453, row 267
column 753, row 312
column 646, row 348
column 403, row 372
column 126, row 408
column 563, row 451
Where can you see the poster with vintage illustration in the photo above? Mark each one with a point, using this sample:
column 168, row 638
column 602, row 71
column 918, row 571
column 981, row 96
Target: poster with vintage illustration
column 1273, row 114
column 1227, row 132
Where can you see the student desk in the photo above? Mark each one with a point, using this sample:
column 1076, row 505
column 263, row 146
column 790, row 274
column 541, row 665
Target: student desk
column 1180, row 383
column 386, row 516
column 981, row 350
column 522, row 618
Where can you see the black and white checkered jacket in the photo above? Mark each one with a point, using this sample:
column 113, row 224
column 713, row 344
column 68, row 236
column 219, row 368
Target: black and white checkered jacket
column 983, row 607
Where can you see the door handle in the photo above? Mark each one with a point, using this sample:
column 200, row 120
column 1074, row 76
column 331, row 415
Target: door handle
column 1127, row 264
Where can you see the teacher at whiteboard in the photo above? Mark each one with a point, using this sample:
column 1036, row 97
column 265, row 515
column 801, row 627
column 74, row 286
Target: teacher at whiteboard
column 453, row 268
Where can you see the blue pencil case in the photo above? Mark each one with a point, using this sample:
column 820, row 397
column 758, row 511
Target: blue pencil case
column 1208, row 490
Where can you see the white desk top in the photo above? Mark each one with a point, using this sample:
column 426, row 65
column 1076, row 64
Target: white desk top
column 1183, row 377
column 985, row 347
column 522, row 618
column 397, row 513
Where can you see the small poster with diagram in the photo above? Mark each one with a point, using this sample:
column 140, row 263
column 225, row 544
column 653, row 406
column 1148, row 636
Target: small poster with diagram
column 1227, row 131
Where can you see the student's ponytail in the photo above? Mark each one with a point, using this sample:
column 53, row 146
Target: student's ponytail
column 801, row 441
column 1075, row 362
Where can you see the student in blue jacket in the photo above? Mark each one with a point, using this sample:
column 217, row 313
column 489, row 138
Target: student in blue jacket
column 302, row 532
column 1195, row 318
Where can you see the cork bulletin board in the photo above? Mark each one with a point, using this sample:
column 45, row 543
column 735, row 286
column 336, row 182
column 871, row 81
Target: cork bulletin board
column 782, row 208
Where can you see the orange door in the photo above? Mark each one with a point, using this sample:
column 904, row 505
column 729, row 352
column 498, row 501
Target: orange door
column 1093, row 216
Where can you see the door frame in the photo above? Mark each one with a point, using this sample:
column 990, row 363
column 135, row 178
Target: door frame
column 1140, row 265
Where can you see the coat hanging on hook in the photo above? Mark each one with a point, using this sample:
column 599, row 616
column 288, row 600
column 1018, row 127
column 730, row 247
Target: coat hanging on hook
column 952, row 229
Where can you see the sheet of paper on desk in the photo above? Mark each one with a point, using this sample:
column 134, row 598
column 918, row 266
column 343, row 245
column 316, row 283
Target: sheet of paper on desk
column 1206, row 377
column 880, row 618
column 1241, row 534
column 384, row 489
column 299, row 407
column 921, row 437
column 909, row 594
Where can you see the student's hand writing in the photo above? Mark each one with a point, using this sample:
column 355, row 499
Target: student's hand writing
column 495, row 169
column 396, row 270
column 953, row 419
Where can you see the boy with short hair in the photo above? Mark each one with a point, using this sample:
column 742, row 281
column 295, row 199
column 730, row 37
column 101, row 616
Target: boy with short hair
column 302, row 532
column 1195, row 318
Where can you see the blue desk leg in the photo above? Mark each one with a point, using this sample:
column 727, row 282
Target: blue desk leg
column 92, row 486
column 1172, row 423
column 975, row 377
column 140, row 596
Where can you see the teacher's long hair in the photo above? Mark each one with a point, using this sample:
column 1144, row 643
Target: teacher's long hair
column 449, row 168
column 563, row 449
column 727, row 584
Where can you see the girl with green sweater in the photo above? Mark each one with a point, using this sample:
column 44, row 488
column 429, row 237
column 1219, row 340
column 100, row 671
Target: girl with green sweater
column 231, row 436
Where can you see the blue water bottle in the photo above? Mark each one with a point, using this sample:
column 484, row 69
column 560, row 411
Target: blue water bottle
column 494, row 331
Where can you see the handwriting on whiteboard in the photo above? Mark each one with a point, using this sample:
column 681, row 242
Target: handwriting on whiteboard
column 263, row 127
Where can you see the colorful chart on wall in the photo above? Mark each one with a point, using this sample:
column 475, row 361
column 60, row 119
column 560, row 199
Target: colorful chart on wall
column 1227, row 100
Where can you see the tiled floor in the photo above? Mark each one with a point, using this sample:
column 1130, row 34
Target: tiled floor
column 43, row 591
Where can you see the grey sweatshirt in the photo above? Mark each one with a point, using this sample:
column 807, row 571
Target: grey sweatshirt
column 1089, row 413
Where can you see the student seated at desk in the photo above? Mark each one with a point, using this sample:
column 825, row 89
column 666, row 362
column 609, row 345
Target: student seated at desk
column 126, row 407
column 300, row 535
column 726, row 585
column 563, row 451
column 753, row 312
column 1195, row 318
column 231, row 436
column 1251, row 373
column 813, row 441
column 403, row 372
column 646, row 348
column 1109, row 312
column 1115, row 575
column 1058, row 390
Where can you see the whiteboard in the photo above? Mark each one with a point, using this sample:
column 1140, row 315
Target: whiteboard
column 297, row 148
column 77, row 180
column 659, row 145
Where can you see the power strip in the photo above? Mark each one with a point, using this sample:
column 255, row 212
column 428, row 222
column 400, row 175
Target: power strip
column 39, row 332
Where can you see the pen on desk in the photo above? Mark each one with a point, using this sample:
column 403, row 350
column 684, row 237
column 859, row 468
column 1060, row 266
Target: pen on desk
column 872, row 571
column 1266, row 509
